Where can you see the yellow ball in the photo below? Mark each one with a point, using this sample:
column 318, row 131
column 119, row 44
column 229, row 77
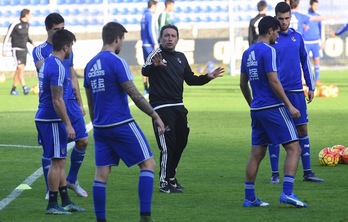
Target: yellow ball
column 35, row 89
column 2, row 78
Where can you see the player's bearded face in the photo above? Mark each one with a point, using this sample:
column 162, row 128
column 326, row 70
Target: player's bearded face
column 67, row 54
column 117, row 50
column 284, row 19
column 119, row 42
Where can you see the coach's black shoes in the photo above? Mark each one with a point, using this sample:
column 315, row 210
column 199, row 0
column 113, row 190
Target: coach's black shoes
column 166, row 187
column 174, row 182
column 57, row 210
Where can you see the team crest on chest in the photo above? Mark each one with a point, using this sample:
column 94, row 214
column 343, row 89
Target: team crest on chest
column 293, row 39
column 178, row 60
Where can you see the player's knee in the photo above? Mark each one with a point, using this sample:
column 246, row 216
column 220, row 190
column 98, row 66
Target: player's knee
column 148, row 164
column 258, row 153
column 302, row 130
column 293, row 149
column 82, row 143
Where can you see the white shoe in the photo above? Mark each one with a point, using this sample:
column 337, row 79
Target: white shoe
column 47, row 197
column 77, row 189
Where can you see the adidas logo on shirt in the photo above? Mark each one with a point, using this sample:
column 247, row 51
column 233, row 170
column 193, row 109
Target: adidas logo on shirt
column 96, row 70
column 251, row 59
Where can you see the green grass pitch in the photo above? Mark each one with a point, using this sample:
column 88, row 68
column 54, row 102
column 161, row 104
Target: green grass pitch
column 212, row 167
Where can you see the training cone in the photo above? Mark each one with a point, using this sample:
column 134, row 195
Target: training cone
column 23, row 187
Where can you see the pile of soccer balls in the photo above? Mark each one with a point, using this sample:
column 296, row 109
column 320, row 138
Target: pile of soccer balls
column 323, row 91
column 331, row 156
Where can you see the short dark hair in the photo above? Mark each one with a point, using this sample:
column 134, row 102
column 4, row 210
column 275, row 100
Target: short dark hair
column 168, row 1
column 282, row 7
column 261, row 5
column 61, row 38
column 24, row 12
column 151, row 3
column 294, row 3
column 53, row 18
column 266, row 23
column 111, row 31
column 311, row 2
column 167, row 27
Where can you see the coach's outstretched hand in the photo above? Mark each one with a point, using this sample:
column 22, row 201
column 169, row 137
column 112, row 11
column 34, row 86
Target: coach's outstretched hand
column 218, row 72
column 157, row 60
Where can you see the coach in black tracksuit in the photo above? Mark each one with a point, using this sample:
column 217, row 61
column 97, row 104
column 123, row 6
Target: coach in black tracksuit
column 167, row 70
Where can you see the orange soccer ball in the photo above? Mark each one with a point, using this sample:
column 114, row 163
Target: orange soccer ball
column 344, row 156
column 329, row 156
column 333, row 91
column 340, row 149
column 324, row 91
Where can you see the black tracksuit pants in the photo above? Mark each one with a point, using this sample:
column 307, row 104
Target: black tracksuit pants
column 173, row 142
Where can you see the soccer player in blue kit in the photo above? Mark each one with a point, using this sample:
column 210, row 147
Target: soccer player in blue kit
column 149, row 34
column 74, row 105
column 299, row 21
column 109, row 82
column 312, row 39
column 52, row 121
column 271, row 113
column 294, row 61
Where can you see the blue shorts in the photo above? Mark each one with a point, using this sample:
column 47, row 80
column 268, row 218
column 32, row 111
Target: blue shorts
column 298, row 100
column 315, row 49
column 126, row 142
column 77, row 120
column 54, row 139
column 272, row 126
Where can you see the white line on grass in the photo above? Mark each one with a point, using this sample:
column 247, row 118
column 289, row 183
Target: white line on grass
column 33, row 177
column 18, row 146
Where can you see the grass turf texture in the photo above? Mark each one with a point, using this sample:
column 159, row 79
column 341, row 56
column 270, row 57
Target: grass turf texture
column 212, row 167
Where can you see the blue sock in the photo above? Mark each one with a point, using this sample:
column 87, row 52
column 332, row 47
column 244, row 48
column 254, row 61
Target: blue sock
column 249, row 189
column 274, row 158
column 145, row 191
column 45, row 162
column 288, row 184
column 305, row 154
column 99, row 199
column 316, row 72
column 76, row 159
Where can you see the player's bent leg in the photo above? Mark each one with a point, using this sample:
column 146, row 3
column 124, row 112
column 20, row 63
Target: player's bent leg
column 293, row 152
column 308, row 174
column 256, row 156
column 76, row 160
